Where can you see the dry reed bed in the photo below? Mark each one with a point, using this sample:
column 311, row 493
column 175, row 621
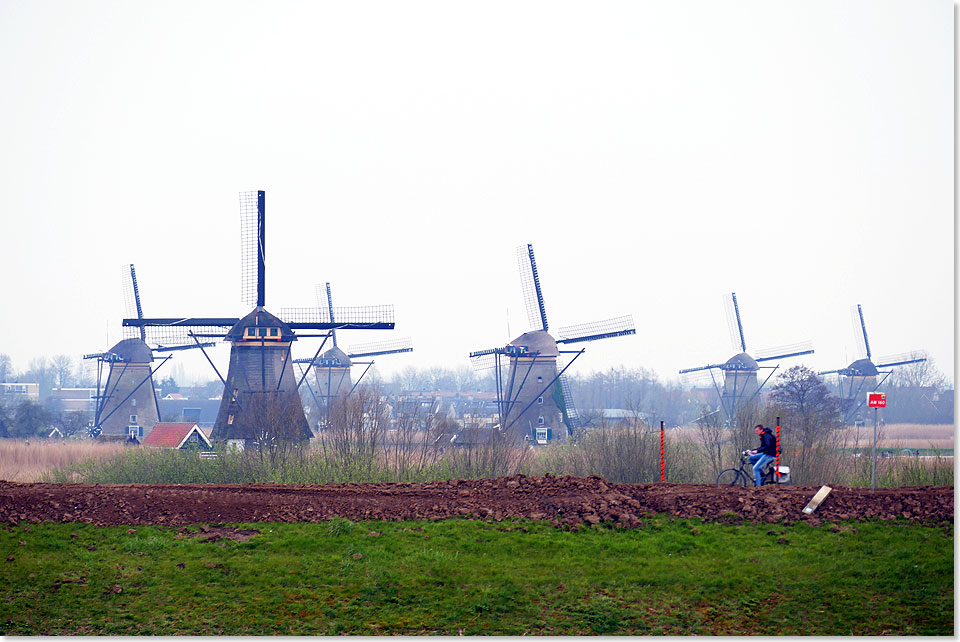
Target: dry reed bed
column 27, row 460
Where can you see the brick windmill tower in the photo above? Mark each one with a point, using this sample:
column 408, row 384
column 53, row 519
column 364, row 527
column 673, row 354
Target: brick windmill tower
column 533, row 396
column 863, row 375
column 740, row 385
column 127, row 403
column 332, row 369
column 260, row 401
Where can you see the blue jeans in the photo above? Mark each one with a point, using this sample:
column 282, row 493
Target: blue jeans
column 759, row 461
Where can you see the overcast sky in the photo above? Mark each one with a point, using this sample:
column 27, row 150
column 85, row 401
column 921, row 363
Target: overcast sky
column 657, row 154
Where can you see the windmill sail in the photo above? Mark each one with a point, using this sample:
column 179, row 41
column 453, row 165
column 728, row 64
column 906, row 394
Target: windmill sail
column 252, row 248
column 530, row 284
column 131, row 301
column 785, row 352
column 860, row 332
column 616, row 327
column 734, row 324
column 569, row 410
column 902, row 359
column 379, row 317
column 392, row 346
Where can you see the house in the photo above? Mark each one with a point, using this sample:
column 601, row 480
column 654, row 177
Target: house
column 74, row 399
column 178, row 436
column 189, row 410
column 13, row 394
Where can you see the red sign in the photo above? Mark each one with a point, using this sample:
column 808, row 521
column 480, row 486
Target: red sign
column 877, row 400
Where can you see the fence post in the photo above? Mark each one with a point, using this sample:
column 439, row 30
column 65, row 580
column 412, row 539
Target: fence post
column 663, row 465
column 777, row 464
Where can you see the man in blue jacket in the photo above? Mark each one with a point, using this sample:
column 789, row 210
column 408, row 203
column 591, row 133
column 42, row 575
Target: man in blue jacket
column 766, row 453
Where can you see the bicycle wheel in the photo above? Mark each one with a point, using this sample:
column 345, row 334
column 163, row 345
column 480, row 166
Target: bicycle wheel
column 731, row 477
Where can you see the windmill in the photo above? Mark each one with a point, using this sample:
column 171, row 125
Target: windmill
column 740, row 384
column 127, row 403
column 261, row 402
column 533, row 396
column 860, row 377
column 332, row 368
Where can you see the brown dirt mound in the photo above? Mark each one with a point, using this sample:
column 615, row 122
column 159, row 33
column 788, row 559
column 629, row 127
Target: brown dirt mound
column 562, row 500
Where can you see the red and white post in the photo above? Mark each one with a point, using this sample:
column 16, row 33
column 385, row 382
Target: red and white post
column 663, row 463
column 777, row 464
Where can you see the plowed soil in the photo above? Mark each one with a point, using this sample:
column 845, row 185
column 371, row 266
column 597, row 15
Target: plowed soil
column 564, row 501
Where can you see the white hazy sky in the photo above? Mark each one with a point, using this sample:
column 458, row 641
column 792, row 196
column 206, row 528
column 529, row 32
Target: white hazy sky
column 657, row 154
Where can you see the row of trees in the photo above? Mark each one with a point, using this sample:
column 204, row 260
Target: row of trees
column 30, row 419
column 59, row 371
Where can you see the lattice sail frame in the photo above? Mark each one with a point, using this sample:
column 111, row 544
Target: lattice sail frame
column 793, row 348
column 528, row 284
column 179, row 335
column 902, row 358
column 350, row 314
column 607, row 327
column 129, row 302
column 389, row 346
column 249, row 242
column 737, row 342
column 861, row 341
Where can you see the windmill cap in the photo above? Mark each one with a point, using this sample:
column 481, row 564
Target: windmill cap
column 538, row 341
column 133, row 351
column 865, row 367
column 744, row 360
column 260, row 318
column 338, row 354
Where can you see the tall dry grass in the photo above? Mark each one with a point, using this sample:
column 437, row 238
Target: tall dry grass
column 28, row 460
column 912, row 436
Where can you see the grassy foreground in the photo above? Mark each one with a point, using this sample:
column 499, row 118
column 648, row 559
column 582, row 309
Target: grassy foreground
column 673, row 577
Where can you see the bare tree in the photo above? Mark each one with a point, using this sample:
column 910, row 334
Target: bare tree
column 809, row 415
column 62, row 368
column 6, row 368
column 416, row 442
column 496, row 454
column 39, row 372
column 278, row 425
column 466, row 379
column 355, row 436
column 711, row 436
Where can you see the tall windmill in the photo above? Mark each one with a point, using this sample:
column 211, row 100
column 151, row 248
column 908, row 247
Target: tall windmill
column 861, row 376
column 332, row 368
column 533, row 396
column 127, row 403
column 740, row 384
column 260, row 401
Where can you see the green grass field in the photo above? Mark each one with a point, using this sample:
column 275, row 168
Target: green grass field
column 671, row 577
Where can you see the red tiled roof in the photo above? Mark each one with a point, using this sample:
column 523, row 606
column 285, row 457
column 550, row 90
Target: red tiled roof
column 169, row 435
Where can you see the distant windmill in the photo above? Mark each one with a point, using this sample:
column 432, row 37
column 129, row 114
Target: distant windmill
column 860, row 377
column 260, row 390
column 127, row 403
column 533, row 396
column 332, row 368
column 740, row 383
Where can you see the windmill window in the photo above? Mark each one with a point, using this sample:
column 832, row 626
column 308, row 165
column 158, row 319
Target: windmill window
column 539, row 379
column 235, row 392
column 540, row 420
column 540, row 400
column 133, row 419
column 229, row 420
column 274, row 332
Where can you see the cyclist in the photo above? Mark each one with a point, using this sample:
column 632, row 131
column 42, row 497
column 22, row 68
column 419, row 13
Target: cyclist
column 763, row 455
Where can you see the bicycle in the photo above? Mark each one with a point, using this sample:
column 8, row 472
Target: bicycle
column 744, row 474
